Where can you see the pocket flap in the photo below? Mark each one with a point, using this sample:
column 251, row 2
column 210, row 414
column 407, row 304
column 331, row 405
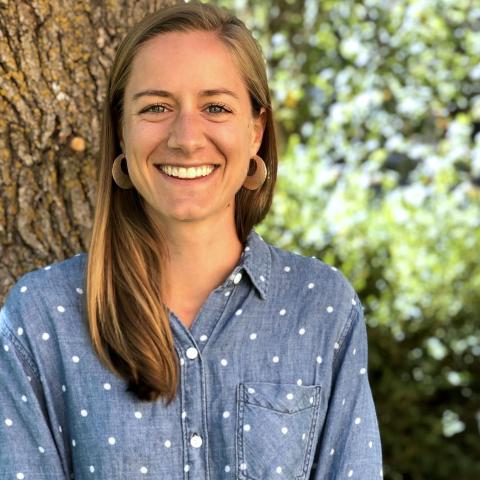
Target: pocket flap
column 282, row 397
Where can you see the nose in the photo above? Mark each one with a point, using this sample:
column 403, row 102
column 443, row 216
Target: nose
column 186, row 133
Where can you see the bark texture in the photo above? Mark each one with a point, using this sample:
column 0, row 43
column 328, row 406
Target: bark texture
column 54, row 58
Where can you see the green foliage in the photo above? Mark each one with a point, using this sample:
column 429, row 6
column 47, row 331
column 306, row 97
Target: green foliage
column 378, row 105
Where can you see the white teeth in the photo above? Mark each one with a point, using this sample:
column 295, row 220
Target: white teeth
column 190, row 172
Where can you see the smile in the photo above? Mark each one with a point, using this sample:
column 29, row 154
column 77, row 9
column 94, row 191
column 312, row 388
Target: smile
column 187, row 172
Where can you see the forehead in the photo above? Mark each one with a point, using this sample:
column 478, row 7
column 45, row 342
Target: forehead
column 194, row 60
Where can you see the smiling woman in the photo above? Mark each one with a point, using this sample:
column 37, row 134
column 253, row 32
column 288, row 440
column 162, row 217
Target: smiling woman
column 183, row 345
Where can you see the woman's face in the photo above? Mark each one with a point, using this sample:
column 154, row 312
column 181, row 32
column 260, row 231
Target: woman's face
column 187, row 113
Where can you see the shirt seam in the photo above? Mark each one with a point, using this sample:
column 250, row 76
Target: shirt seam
column 352, row 318
column 21, row 351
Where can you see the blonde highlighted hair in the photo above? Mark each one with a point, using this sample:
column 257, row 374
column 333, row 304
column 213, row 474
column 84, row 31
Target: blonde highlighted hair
column 128, row 322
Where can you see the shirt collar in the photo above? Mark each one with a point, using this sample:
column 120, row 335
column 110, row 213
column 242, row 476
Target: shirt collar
column 256, row 261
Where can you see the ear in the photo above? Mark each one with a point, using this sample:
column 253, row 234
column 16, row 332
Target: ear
column 258, row 130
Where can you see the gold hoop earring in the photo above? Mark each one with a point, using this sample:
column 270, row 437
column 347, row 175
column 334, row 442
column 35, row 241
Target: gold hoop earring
column 257, row 179
column 119, row 176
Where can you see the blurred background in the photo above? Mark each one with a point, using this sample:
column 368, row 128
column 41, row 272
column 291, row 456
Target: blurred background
column 378, row 109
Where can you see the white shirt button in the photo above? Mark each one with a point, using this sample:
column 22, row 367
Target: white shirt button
column 192, row 353
column 196, row 441
column 237, row 278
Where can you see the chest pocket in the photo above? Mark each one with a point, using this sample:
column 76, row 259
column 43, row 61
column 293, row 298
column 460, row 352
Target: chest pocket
column 275, row 435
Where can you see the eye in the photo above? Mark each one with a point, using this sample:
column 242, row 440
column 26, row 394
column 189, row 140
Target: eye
column 156, row 108
column 218, row 108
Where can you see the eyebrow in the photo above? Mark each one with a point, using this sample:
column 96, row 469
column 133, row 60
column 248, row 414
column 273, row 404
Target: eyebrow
column 204, row 93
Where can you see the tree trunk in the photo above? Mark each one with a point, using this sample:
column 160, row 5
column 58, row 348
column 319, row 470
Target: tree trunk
column 54, row 58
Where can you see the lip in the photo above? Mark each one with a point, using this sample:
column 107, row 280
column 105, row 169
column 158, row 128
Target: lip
column 188, row 181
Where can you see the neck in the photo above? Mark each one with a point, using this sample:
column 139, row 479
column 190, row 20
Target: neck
column 200, row 257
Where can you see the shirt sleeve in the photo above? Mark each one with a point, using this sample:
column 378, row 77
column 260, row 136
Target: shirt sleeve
column 28, row 443
column 349, row 446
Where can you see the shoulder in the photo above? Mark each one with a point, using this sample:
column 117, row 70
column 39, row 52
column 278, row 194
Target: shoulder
column 311, row 275
column 316, row 291
column 37, row 294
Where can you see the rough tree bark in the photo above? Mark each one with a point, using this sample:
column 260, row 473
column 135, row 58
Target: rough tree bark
column 54, row 57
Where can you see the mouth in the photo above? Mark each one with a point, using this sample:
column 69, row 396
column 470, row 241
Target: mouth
column 187, row 173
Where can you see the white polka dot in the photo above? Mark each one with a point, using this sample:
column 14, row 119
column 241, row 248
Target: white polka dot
column 20, row 331
column 275, row 359
column 20, row 476
column 301, row 331
column 334, row 269
column 353, row 301
column 237, row 278
column 247, row 249
column 107, row 386
column 45, row 336
column 184, row 414
column 250, row 390
column 289, row 396
column 238, row 312
column 358, row 421
column 299, row 381
column 370, row 444
column 282, row 312
column 182, row 361
column 354, row 351
column 24, row 398
column 227, row 293
column 112, row 441
column 311, row 285
column 262, row 278
column 311, row 399
column 247, row 427
column 224, row 362
column 186, row 468
column 381, row 472
column 8, row 422
column 203, row 338
column 64, row 388
column 226, row 414
column 74, row 443
column 227, row 468
column 143, row 470
column 79, row 291
column 253, row 336
column 29, row 378
column 363, row 371
column 48, row 267
column 168, row 443
column 75, row 359
column 319, row 359
column 332, row 451
column 336, row 346
column 287, row 268
column 343, row 402
column 60, row 428
column 278, row 469
column 6, row 348
column 24, row 289
column 83, row 413
column 138, row 415
column 284, row 430
column 243, row 466
column 91, row 468
column 41, row 449
column 350, row 473
column 61, row 309
column 304, row 436
column 329, row 309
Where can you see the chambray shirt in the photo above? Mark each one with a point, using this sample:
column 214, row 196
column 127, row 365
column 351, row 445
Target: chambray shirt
column 273, row 382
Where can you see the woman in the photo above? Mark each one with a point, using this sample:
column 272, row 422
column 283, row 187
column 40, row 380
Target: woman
column 184, row 346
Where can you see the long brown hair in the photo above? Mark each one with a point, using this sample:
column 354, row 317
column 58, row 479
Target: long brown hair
column 128, row 322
